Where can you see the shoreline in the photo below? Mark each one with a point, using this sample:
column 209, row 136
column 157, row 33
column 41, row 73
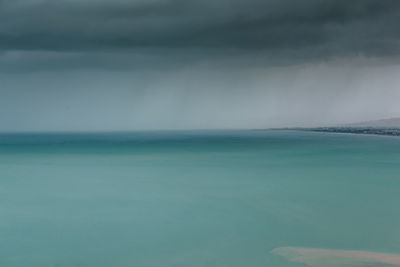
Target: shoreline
column 319, row 257
column 373, row 131
column 393, row 132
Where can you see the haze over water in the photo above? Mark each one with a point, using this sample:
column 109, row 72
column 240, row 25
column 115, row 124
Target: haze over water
column 194, row 198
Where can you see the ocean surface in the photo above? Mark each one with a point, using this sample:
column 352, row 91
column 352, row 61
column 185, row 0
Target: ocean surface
column 195, row 198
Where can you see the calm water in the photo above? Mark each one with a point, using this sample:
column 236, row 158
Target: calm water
column 194, row 198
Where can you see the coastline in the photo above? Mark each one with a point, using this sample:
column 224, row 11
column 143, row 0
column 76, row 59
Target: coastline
column 394, row 132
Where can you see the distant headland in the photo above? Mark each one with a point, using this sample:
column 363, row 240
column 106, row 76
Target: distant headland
column 358, row 130
column 390, row 127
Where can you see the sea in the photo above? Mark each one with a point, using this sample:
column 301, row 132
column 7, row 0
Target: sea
column 195, row 198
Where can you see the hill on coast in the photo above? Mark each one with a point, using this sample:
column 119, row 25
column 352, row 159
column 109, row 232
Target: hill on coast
column 383, row 123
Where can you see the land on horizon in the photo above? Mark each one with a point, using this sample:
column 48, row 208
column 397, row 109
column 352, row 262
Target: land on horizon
column 390, row 127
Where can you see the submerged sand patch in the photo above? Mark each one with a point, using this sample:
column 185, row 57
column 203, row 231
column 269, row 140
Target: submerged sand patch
column 336, row 258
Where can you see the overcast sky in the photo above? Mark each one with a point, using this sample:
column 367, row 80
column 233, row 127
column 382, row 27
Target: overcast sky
column 95, row 65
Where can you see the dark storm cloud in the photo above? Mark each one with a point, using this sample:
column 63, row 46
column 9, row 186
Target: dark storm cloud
column 311, row 28
column 170, row 64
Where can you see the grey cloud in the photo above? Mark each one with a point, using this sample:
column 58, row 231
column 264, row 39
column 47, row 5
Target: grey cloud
column 339, row 27
column 152, row 64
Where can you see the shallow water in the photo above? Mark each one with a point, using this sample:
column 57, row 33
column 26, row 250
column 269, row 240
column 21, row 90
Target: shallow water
column 217, row 198
column 333, row 258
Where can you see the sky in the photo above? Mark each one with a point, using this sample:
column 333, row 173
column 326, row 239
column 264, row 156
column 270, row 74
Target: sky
column 121, row 65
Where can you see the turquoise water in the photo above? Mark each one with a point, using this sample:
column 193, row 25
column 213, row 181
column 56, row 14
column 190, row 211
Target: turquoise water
column 194, row 198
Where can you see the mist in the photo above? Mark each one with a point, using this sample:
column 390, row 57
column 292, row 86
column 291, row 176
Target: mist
column 200, row 97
